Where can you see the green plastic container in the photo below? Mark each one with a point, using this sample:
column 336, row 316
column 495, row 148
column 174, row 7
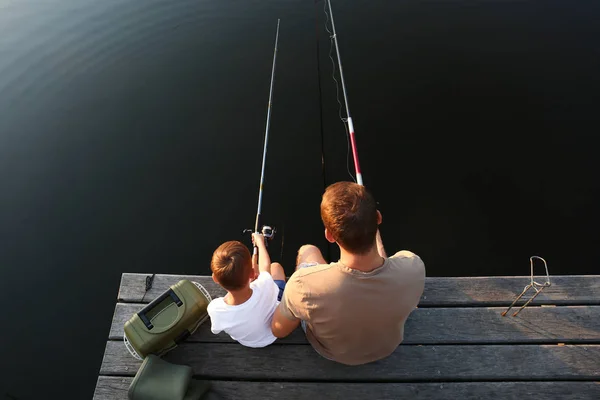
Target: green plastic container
column 158, row 379
column 168, row 320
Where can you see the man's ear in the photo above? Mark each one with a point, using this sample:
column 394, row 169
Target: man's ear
column 329, row 236
column 379, row 218
column 215, row 279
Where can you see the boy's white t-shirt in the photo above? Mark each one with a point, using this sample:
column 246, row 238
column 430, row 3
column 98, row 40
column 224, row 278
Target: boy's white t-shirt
column 248, row 323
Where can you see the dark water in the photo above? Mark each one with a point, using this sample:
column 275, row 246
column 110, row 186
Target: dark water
column 131, row 138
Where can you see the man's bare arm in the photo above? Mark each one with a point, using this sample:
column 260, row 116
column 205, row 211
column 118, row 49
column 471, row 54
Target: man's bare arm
column 380, row 248
column 282, row 326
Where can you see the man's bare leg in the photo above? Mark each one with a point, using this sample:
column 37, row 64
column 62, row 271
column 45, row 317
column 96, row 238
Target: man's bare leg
column 309, row 254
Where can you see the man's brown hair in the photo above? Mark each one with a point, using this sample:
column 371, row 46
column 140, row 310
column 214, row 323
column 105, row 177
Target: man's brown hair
column 349, row 212
column 232, row 265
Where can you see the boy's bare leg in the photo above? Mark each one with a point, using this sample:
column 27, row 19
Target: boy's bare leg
column 277, row 272
column 309, row 254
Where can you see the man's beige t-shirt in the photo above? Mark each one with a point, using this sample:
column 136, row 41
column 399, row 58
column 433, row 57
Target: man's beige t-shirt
column 355, row 317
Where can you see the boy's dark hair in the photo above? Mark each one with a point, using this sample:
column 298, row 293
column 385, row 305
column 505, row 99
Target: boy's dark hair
column 349, row 212
column 232, row 265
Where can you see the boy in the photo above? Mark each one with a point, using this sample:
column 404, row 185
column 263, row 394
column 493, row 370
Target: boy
column 246, row 310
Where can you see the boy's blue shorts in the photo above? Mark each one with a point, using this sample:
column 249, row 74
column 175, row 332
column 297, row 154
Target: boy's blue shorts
column 281, row 285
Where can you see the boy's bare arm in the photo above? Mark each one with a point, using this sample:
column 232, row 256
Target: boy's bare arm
column 380, row 248
column 264, row 261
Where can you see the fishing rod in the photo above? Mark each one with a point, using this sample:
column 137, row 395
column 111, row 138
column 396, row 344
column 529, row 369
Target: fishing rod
column 359, row 179
column 267, row 231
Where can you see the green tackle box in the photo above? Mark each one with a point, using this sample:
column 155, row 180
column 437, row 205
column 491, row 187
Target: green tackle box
column 167, row 320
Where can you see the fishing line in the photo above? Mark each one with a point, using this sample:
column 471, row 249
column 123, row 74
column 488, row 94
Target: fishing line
column 323, row 170
column 267, row 231
column 337, row 90
column 351, row 134
column 320, row 98
column 268, row 125
column 282, row 240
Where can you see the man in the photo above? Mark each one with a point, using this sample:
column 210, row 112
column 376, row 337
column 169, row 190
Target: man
column 353, row 311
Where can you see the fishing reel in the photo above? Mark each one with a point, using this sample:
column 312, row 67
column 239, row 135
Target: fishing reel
column 267, row 231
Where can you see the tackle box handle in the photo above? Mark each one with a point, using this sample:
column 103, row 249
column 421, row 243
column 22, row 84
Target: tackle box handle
column 154, row 303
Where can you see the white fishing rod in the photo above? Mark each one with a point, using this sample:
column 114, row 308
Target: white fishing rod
column 267, row 231
column 359, row 179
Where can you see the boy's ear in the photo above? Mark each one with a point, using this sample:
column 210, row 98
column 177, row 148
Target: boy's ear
column 214, row 278
column 329, row 236
column 379, row 218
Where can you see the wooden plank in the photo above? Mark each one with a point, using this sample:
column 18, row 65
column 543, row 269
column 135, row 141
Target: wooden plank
column 115, row 388
column 132, row 289
column 501, row 291
column 576, row 324
column 112, row 388
column 439, row 292
column 124, row 311
column 407, row 363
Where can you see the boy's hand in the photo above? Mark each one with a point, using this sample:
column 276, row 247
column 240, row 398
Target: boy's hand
column 258, row 239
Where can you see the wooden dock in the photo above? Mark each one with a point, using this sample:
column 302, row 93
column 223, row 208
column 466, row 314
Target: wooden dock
column 457, row 346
